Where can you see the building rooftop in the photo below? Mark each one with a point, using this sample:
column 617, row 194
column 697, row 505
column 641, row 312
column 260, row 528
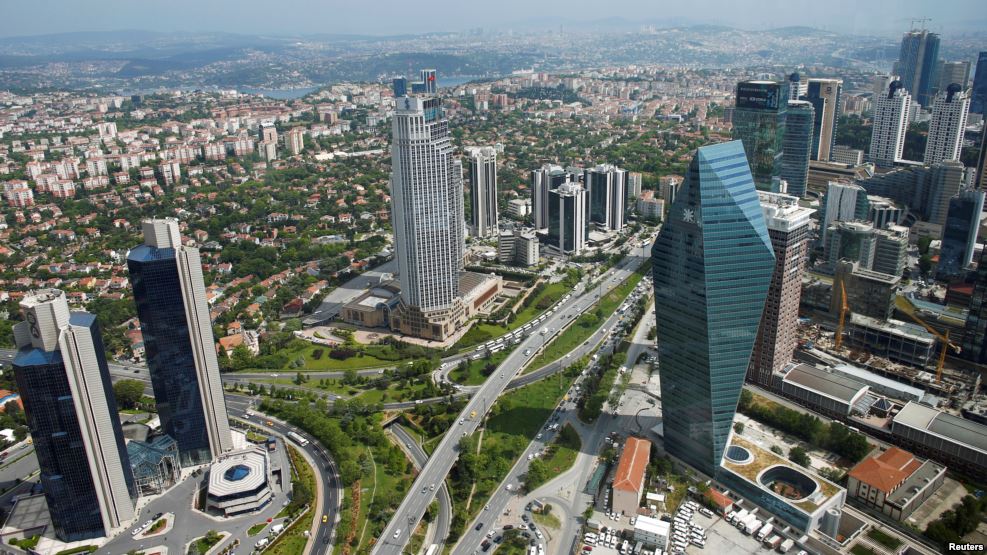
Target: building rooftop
column 826, row 383
column 886, row 471
column 632, row 465
column 873, row 379
column 238, row 472
column 945, row 425
column 897, row 328
column 652, row 526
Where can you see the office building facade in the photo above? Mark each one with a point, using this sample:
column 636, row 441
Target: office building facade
column 759, row 122
column 543, row 180
column 949, row 113
column 567, row 224
column 64, row 383
column 891, row 250
column 797, row 146
column 178, row 342
column 916, row 64
column 606, row 186
column 825, row 95
column 843, row 202
column 975, row 339
column 712, row 264
column 959, row 235
column 891, row 112
column 483, row 190
column 978, row 95
column 777, row 335
column 954, row 72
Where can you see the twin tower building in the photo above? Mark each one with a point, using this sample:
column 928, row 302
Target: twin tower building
column 64, row 382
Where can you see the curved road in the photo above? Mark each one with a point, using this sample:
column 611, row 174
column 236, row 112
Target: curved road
column 444, row 519
column 409, row 513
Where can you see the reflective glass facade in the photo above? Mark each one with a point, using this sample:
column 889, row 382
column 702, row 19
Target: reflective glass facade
column 58, row 438
column 168, row 348
column 713, row 262
column 797, row 146
column 759, row 121
column 975, row 340
column 916, row 65
column 978, row 97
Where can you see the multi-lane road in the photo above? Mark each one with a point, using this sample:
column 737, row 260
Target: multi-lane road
column 422, row 492
column 444, row 517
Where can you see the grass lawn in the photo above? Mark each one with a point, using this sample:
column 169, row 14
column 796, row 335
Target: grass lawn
column 473, row 375
column 370, row 356
column 365, row 392
column 292, row 541
column 862, row 550
column 204, row 543
column 547, row 519
column 587, row 324
column 256, row 529
column 564, row 450
column 156, row 527
column 884, row 539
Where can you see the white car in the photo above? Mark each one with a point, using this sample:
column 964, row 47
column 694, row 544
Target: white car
column 397, row 533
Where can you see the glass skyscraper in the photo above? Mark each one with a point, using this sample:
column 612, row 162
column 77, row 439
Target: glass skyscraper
column 759, row 121
column 64, row 382
column 978, row 97
column 975, row 339
column 178, row 342
column 713, row 262
column 959, row 235
column 607, row 189
column 797, row 146
column 916, row 64
column 567, row 225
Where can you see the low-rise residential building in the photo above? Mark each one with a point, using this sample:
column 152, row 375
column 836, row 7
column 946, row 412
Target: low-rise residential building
column 628, row 482
column 894, row 482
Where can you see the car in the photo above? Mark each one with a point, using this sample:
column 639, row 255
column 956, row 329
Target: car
column 432, row 487
column 325, row 519
column 478, row 527
column 424, row 489
column 524, row 518
column 539, row 534
column 538, row 436
column 533, row 528
column 397, row 533
column 508, row 527
column 490, row 533
column 325, row 540
column 487, row 508
column 587, row 548
column 461, row 421
column 531, row 456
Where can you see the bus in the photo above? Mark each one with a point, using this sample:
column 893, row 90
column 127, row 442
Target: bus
column 298, row 439
column 432, row 549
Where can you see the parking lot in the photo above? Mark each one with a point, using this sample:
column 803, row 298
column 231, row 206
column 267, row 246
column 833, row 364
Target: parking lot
column 723, row 538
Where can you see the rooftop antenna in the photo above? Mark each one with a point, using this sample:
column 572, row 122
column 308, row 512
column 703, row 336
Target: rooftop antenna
column 922, row 20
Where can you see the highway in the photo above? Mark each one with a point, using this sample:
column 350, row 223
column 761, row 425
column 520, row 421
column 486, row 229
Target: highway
column 471, row 538
column 444, row 519
column 409, row 513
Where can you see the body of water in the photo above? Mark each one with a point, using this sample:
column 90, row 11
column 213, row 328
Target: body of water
column 281, row 94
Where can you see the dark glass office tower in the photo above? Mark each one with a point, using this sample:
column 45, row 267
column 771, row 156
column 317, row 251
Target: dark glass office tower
column 959, row 235
column 64, row 382
column 400, row 85
column 759, row 121
column 978, row 97
column 825, row 96
column 797, row 146
column 567, row 226
column 178, row 343
column 916, row 64
column 713, row 262
column 975, row 339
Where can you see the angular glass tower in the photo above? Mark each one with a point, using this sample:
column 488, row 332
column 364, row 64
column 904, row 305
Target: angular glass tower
column 62, row 376
column 178, row 340
column 713, row 262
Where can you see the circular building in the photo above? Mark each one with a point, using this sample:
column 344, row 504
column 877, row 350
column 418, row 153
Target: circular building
column 239, row 482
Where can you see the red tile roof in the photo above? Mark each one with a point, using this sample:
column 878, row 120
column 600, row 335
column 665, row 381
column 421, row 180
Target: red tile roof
column 632, row 465
column 886, row 471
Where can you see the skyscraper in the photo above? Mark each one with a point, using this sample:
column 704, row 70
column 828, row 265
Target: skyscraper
column 427, row 211
column 633, row 186
column 797, row 146
column 777, row 335
column 483, row 190
column 759, row 121
column 843, row 202
column 975, row 339
column 959, row 235
column 400, row 86
column 978, row 96
column 713, row 262
column 955, row 72
column 181, row 353
column 64, row 383
column 567, row 225
column 825, row 96
column 917, row 64
column 949, row 111
column 607, row 189
column 428, row 79
column 796, row 87
column 891, row 112
column 543, row 180
column 945, row 182
column 982, row 162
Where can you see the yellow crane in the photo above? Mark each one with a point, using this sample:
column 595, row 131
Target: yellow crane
column 844, row 308
column 943, row 338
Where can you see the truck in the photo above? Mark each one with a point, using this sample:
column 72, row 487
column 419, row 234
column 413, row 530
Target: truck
column 751, row 526
column 277, row 528
column 773, row 542
column 738, row 516
column 764, row 532
column 261, row 543
column 785, row 546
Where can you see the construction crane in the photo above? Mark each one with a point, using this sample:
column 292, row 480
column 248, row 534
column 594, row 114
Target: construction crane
column 922, row 20
column 943, row 340
column 844, row 308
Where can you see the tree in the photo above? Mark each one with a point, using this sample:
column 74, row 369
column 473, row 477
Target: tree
column 746, row 398
column 925, row 264
column 798, row 456
column 738, row 427
column 128, row 392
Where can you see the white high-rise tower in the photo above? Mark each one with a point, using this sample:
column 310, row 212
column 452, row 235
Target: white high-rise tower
column 483, row 190
column 427, row 208
column 949, row 112
column 891, row 110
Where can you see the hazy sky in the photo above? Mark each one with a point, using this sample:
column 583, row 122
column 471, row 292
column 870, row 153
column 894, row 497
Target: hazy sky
column 33, row 17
